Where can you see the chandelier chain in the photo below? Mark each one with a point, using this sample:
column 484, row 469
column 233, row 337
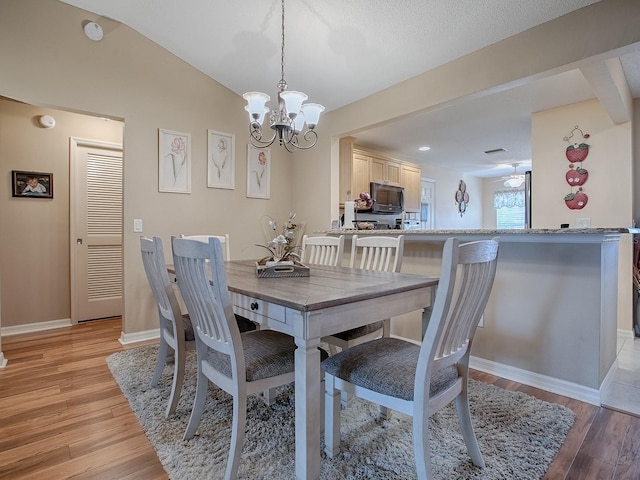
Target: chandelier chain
column 282, row 80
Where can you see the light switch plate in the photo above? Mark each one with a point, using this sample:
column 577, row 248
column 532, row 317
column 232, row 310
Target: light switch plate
column 137, row 225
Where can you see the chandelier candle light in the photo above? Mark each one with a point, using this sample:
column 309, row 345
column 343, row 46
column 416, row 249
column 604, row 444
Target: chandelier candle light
column 289, row 118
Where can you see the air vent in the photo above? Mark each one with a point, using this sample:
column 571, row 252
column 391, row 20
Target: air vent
column 495, row 150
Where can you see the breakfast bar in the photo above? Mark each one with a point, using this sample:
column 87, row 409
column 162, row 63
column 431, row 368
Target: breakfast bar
column 551, row 321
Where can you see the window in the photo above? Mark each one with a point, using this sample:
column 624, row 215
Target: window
column 509, row 207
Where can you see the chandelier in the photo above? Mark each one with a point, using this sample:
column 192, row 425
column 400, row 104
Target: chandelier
column 288, row 119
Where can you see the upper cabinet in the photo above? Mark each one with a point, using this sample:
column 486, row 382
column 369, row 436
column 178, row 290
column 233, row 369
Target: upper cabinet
column 385, row 171
column 359, row 167
column 410, row 179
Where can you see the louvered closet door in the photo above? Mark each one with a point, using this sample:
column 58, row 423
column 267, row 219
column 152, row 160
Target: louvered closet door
column 97, row 276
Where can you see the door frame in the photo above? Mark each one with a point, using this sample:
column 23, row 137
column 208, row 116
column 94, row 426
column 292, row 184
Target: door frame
column 74, row 144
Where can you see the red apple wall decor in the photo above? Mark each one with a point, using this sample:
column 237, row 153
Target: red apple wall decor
column 576, row 201
column 577, row 152
column 577, row 177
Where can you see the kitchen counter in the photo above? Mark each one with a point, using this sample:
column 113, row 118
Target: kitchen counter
column 552, row 318
column 525, row 234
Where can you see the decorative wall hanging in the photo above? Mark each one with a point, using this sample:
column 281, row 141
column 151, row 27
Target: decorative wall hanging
column 462, row 197
column 221, row 150
column 174, row 161
column 32, row 184
column 258, row 172
column 576, row 176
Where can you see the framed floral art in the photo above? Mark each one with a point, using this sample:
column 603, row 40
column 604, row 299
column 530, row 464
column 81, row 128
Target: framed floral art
column 221, row 151
column 174, row 161
column 258, row 172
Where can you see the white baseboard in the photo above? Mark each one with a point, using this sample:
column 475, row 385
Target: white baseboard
column 35, row 327
column 626, row 334
column 544, row 382
column 129, row 338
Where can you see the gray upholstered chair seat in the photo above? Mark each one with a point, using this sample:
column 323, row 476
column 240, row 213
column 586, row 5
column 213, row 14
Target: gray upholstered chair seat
column 386, row 365
column 267, row 353
column 359, row 331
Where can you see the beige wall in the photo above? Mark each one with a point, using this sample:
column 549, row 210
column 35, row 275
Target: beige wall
column 35, row 231
column 127, row 77
column 447, row 216
column 609, row 163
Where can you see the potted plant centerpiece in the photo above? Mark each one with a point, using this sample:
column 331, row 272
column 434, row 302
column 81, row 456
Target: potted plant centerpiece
column 284, row 249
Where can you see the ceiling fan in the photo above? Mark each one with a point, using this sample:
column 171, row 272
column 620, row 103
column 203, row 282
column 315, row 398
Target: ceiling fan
column 515, row 180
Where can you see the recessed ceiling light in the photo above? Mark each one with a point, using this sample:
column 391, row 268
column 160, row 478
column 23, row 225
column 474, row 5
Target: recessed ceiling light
column 424, row 149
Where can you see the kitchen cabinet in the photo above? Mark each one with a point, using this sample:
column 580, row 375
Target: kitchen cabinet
column 385, row 171
column 359, row 167
column 411, row 181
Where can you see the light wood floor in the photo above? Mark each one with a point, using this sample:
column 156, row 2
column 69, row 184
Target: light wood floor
column 63, row 416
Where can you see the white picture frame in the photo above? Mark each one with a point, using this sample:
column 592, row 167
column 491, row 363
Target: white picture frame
column 221, row 159
column 258, row 172
column 174, row 161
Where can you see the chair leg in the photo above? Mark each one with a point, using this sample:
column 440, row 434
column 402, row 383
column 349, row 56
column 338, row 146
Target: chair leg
column 162, row 360
column 421, row 446
column 178, row 378
column 237, row 435
column 268, row 396
column 198, row 404
column 464, row 417
column 331, row 417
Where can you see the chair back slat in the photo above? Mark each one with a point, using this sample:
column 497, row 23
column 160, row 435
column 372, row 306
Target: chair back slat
column 383, row 254
column 224, row 240
column 155, row 268
column 204, row 289
column 322, row 250
column 465, row 284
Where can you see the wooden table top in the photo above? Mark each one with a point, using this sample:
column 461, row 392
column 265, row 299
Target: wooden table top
column 325, row 286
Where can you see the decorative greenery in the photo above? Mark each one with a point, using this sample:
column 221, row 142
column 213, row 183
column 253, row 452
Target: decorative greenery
column 285, row 245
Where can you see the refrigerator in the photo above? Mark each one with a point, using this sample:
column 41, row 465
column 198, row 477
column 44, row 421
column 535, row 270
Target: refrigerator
column 527, row 199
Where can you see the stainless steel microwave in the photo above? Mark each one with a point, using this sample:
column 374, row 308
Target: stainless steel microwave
column 387, row 198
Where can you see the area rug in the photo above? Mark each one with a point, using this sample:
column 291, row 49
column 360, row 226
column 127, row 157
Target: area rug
column 518, row 434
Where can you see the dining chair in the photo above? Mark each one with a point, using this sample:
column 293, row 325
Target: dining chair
column 322, row 250
column 224, row 240
column 382, row 254
column 419, row 380
column 176, row 330
column 244, row 323
column 240, row 364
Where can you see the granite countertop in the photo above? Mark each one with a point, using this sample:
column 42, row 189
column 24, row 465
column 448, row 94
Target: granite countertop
column 527, row 231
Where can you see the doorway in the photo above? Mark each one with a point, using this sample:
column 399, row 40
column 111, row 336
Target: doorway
column 427, row 204
column 96, row 206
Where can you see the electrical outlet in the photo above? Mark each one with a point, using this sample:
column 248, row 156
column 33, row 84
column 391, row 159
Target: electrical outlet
column 137, row 225
column 583, row 223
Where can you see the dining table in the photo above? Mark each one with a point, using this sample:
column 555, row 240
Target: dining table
column 327, row 301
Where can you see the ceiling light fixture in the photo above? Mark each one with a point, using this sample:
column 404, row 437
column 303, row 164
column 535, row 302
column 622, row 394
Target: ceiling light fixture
column 289, row 119
column 424, row 149
column 515, row 180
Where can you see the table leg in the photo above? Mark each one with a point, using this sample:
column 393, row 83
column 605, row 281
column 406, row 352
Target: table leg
column 308, row 404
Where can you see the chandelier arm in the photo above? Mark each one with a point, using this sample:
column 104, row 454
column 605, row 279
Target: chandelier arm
column 255, row 136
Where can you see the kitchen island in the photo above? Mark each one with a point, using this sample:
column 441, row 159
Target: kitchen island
column 552, row 318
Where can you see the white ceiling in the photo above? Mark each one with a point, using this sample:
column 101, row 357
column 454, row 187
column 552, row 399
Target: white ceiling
column 339, row 51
